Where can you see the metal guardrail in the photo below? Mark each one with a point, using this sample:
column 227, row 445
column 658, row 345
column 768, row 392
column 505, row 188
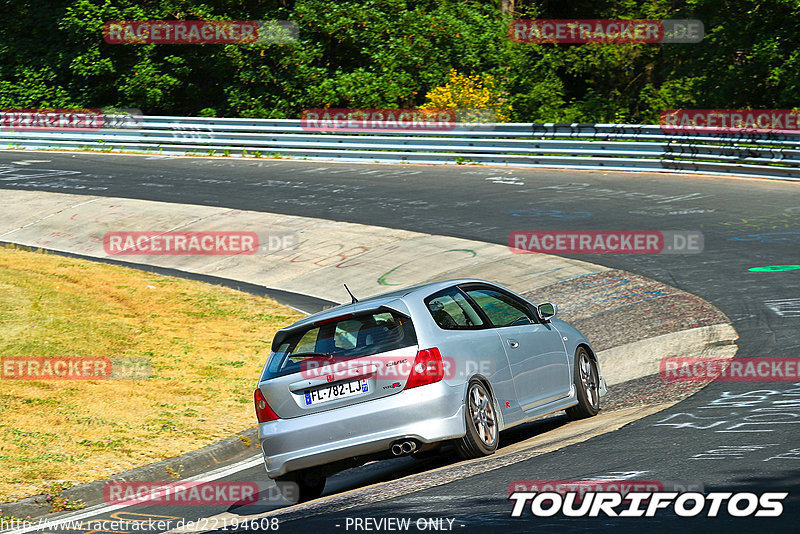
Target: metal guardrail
column 586, row 146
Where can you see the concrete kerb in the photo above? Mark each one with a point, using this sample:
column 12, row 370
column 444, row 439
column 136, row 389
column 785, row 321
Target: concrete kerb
column 243, row 445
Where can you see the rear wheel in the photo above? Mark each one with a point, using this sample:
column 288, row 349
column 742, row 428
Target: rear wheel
column 301, row 486
column 482, row 429
column 587, row 386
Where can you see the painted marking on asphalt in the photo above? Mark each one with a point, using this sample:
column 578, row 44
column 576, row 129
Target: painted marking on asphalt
column 730, row 452
column 382, row 280
column 15, row 173
column 48, row 216
column 774, row 268
column 770, row 237
column 784, row 307
column 510, row 180
column 791, row 454
column 556, row 214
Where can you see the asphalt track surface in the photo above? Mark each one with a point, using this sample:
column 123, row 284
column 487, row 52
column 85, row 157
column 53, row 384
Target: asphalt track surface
column 730, row 436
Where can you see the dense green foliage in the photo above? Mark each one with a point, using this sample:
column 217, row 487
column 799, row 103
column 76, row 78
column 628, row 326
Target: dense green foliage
column 390, row 53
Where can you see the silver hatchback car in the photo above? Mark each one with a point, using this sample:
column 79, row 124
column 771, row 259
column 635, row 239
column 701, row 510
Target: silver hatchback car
column 403, row 372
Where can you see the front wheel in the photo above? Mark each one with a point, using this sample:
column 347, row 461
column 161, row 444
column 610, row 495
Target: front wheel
column 482, row 430
column 587, row 385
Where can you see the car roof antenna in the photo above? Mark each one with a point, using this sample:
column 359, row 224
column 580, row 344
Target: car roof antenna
column 354, row 299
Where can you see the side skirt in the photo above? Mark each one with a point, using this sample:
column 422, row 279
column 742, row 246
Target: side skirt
column 544, row 409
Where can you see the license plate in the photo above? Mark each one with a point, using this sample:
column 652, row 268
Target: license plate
column 336, row 391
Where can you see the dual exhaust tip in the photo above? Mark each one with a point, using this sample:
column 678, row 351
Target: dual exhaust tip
column 404, row 447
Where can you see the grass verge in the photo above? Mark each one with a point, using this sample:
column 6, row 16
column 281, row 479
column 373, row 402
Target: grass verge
column 205, row 345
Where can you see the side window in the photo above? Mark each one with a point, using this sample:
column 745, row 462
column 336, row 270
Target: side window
column 307, row 343
column 452, row 311
column 502, row 309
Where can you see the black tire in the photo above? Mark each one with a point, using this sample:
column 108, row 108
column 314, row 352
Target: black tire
column 587, row 386
column 483, row 432
column 301, row 486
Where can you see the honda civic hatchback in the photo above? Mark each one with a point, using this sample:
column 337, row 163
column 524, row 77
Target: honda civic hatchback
column 407, row 371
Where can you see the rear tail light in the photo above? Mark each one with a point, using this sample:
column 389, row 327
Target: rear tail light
column 263, row 412
column 428, row 368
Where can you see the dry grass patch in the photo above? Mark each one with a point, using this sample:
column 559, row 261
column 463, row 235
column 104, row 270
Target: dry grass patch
column 205, row 344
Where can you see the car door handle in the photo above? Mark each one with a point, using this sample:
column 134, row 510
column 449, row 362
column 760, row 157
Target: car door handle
column 513, row 343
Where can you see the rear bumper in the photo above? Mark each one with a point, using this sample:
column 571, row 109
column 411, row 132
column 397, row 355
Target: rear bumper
column 428, row 414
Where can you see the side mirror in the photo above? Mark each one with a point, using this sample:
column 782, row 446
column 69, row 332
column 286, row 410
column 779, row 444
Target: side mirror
column 547, row 311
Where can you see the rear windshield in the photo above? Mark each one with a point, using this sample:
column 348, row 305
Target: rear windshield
column 350, row 336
